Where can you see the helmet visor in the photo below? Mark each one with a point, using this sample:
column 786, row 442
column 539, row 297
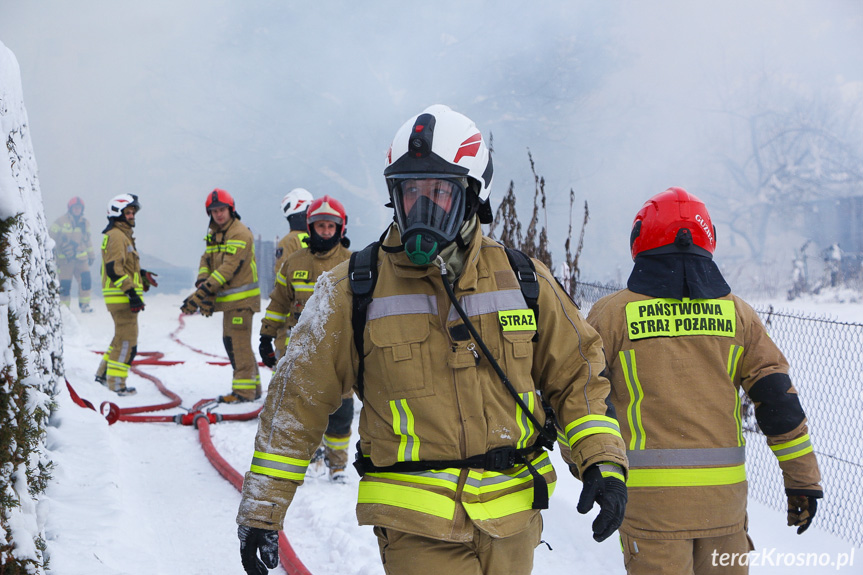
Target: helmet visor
column 430, row 203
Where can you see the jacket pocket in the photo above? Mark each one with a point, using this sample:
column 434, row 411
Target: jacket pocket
column 518, row 359
column 400, row 355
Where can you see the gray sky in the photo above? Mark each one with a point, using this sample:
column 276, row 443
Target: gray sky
column 617, row 100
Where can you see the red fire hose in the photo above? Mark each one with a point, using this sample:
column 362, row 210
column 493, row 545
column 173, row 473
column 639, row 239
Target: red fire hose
column 195, row 417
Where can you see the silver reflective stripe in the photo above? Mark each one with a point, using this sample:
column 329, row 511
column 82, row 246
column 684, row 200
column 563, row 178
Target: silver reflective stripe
column 610, row 468
column 589, row 424
column 239, row 289
column 686, row 457
column 270, row 464
column 402, row 305
column 489, row 302
column 404, row 431
column 793, row 449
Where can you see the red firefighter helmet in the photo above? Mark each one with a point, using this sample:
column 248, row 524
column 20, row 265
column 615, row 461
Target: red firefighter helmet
column 75, row 201
column 328, row 209
column 673, row 221
column 219, row 198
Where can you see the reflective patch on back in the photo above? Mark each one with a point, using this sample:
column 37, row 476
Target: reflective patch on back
column 666, row 317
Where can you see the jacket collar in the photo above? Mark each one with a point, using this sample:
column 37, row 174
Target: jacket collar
column 406, row 269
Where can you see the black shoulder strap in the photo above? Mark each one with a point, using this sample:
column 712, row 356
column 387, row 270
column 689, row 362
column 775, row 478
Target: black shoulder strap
column 525, row 271
column 362, row 274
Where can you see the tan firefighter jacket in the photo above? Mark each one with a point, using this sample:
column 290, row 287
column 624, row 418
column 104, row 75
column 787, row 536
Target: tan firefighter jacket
column 288, row 245
column 228, row 268
column 430, row 396
column 676, row 370
column 121, row 267
column 295, row 283
column 72, row 238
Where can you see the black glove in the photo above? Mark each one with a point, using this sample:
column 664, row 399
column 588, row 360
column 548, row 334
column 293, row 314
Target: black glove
column 136, row 304
column 199, row 299
column 251, row 540
column 268, row 354
column 149, row 279
column 802, row 504
column 610, row 493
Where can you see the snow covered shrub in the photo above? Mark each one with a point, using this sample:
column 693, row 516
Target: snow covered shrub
column 30, row 336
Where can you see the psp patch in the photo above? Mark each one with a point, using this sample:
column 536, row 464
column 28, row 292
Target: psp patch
column 517, row 320
column 301, row 275
column 666, row 317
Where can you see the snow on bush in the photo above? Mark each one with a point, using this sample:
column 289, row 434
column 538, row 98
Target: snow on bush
column 30, row 336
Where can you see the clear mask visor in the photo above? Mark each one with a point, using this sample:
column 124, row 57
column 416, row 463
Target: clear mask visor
column 426, row 202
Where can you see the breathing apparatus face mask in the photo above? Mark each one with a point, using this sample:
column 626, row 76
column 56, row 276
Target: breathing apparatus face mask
column 429, row 212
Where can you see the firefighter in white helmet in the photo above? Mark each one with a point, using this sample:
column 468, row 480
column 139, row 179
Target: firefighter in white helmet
column 453, row 366
column 295, row 204
column 295, row 283
column 680, row 348
column 123, row 282
column 228, row 282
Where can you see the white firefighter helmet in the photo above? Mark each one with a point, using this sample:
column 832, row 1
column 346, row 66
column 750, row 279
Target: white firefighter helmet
column 121, row 202
column 296, row 201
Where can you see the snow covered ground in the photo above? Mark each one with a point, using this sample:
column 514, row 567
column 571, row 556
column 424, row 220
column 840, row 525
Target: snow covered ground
column 141, row 498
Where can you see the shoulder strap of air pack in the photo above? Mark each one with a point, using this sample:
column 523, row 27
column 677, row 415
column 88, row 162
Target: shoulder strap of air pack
column 525, row 271
column 362, row 274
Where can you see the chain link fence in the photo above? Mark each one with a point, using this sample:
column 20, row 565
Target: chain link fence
column 826, row 358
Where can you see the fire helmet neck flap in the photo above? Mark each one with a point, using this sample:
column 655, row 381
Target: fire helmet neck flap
column 439, row 174
column 673, row 221
column 326, row 209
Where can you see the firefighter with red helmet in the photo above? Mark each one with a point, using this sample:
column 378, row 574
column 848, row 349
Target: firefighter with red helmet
column 295, row 283
column 228, row 282
column 680, row 348
column 73, row 249
column 453, row 367
column 123, row 283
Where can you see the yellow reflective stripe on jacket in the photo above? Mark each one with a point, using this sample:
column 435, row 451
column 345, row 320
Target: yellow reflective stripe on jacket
column 525, row 427
column 203, row 270
column 303, row 286
column 446, row 478
column 636, row 396
column 219, row 277
column 403, row 426
column 281, row 279
column 696, row 477
column 482, row 482
column 666, row 317
column 279, row 466
column 792, row 449
column 611, row 470
column 238, row 293
column 734, row 355
column 275, row 316
column 504, row 505
column 591, row 425
column 406, row 497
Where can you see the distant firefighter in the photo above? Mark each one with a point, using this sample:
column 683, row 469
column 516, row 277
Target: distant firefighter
column 74, row 252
